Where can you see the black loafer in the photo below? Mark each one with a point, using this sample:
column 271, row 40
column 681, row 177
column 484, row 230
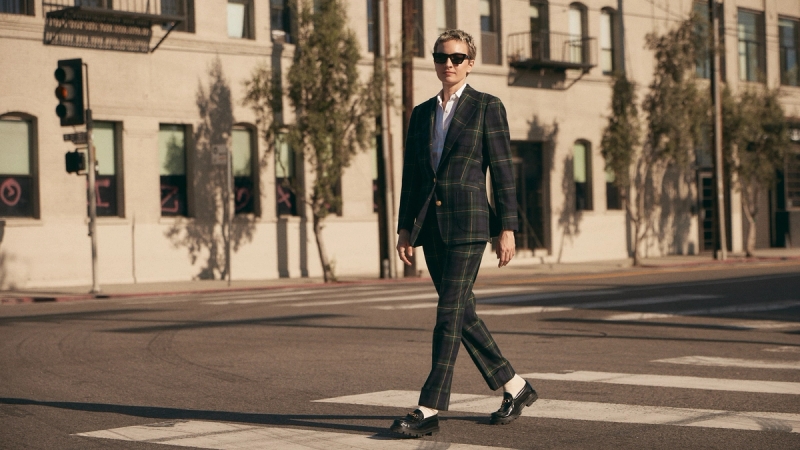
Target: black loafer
column 511, row 407
column 415, row 425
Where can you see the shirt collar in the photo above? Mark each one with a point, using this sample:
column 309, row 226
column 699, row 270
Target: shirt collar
column 457, row 94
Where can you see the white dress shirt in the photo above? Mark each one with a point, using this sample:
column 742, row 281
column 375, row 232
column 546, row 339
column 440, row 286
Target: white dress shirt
column 444, row 115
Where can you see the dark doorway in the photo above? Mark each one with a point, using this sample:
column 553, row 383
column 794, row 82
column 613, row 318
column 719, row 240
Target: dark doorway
column 705, row 182
column 529, row 178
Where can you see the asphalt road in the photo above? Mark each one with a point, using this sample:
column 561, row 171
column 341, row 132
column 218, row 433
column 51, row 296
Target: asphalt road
column 692, row 357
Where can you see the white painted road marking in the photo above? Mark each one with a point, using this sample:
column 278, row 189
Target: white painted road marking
column 399, row 295
column 596, row 412
column 714, row 384
column 230, row 436
column 729, row 309
column 731, row 362
column 549, row 295
column 784, row 349
column 522, row 310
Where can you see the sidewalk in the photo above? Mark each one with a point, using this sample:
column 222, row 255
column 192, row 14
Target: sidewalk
column 527, row 266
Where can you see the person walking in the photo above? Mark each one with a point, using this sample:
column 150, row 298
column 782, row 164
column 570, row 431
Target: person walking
column 452, row 139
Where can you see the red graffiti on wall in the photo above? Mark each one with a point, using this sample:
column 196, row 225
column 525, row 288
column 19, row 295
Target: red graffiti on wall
column 169, row 194
column 10, row 192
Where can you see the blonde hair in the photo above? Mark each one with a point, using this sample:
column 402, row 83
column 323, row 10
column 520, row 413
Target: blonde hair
column 457, row 35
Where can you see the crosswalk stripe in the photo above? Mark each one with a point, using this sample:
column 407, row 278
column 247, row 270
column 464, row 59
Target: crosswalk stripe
column 729, row 309
column 672, row 381
column 402, row 295
column 407, row 306
column 549, row 295
column 293, row 295
column 522, row 310
column 784, row 349
column 731, row 362
column 594, row 411
column 230, row 436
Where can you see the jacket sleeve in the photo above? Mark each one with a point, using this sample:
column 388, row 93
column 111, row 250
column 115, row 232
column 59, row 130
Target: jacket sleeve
column 497, row 151
column 407, row 213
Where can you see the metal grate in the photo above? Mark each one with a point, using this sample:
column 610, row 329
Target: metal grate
column 121, row 25
column 547, row 49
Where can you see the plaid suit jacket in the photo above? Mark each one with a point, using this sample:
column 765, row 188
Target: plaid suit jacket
column 477, row 139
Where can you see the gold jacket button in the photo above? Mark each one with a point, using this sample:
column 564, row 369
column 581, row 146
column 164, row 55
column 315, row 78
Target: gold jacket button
column 438, row 203
column 434, row 179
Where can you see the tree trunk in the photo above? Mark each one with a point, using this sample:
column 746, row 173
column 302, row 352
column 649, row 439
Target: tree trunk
column 327, row 270
column 749, row 199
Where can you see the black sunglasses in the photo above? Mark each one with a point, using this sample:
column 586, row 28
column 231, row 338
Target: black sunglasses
column 441, row 58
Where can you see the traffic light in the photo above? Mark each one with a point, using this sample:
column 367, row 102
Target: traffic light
column 76, row 161
column 70, row 92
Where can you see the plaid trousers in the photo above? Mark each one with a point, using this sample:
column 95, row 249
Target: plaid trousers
column 453, row 270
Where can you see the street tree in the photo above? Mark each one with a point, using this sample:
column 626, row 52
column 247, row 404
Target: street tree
column 621, row 145
column 676, row 115
column 755, row 142
column 334, row 108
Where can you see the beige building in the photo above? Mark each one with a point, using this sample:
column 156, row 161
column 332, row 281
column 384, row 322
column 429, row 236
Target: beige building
column 159, row 116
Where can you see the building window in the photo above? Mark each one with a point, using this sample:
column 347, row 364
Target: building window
column 578, row 35
column 792, row 178
column 172, row 162
column 419, row 29
column 22, row 7
column 245, row 170
column 613, row 198
column 582, row 173
column 490, row 31
column 280, row 16
column 752, row 55
column 789, row 37
column 285, row 170
column 240, row 19
column 607, row 38
column 445, row 15
column 17, row 176
column 184, row 8
column 108, row 192
column 371, row 18
column 540, row 34
column 102, row 4
column 704, row 55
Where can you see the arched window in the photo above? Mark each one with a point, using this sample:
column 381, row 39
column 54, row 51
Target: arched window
column 578, row 34
column 608, row 38
column 18, row 184
column 245, row 169
column 582, row 174
column 172, row 141
column 285, row 178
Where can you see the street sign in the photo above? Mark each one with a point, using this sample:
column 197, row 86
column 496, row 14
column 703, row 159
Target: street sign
column 219, row 155
column 76, row 138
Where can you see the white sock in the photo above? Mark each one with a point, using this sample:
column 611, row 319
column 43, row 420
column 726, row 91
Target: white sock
column 427, row 412
column 514, row 385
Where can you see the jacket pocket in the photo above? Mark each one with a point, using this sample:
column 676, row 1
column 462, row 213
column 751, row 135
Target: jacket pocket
column 471, row 212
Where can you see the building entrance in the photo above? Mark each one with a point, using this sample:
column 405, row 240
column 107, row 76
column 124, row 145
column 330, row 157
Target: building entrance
column 529, row 178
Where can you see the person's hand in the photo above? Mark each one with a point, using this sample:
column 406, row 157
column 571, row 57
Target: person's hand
column 404, row 248
column 506, row 247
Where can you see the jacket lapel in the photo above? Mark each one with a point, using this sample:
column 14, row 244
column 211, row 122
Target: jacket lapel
column 427, row 120
column 464, row 110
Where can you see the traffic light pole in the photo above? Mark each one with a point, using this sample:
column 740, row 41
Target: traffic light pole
column 91, row 189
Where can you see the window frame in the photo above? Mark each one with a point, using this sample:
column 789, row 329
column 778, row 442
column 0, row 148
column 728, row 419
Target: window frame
column 613, row 33
column 584, row 192
column 284, row 33
column 187, row 167
column 703, row 64
column 119, row 176
column 26, row 8
column 418, row 22
column 495, row 34
column 759, row 43
column 254, row 168
column 188, row 25
column 542, row 41
column 33, row 162
column 784, row 75
column 583, row 48
column 294, row 166
column 449, row 8
column 248, row 28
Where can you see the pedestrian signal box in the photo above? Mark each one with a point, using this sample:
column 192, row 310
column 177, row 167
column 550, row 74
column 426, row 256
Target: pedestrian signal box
column 76, row 162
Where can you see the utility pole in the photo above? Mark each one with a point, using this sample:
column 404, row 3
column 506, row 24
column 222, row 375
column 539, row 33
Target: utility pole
column 385, row 200
column 721, row 247
column 409, row 50
column 91, row 177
